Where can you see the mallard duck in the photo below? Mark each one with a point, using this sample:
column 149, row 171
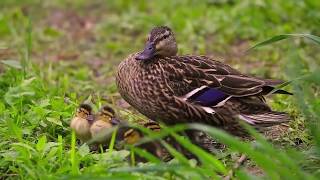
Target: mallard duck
column 82, row 121
column 189, row 88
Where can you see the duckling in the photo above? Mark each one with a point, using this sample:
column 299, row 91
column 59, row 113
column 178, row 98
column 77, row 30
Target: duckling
column 104, row 120
column 82, row 121
column 132, row 136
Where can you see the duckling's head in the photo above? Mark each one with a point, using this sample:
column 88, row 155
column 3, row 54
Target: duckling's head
column 132, row 136
column 84, row 111
column 160, row 43
column 109, row 113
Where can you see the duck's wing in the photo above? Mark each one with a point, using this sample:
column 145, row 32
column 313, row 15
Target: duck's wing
column 209, row 82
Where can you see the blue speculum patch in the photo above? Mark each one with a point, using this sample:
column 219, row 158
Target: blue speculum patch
column 208, row 96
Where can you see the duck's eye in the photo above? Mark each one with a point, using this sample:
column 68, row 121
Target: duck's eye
column 165, row 36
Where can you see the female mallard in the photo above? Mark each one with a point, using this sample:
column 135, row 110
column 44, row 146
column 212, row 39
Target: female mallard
column 190, row 88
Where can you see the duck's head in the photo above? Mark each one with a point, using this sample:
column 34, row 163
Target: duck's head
column 85, row 111
column 160, row 43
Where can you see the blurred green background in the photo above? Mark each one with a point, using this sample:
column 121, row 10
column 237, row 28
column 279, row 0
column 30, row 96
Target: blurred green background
column 57, row 54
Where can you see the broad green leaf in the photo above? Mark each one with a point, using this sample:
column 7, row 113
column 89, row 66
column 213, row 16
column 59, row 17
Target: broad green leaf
column 41, row 143
column 15, row 94
column 48, row 146
column 54, row 121
column 26, row 146
column 84, row 150
column 12, row 63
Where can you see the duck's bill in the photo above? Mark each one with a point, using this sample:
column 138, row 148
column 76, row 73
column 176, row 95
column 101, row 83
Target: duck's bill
column 147, row 53
column 115, row 121
column 90, row 117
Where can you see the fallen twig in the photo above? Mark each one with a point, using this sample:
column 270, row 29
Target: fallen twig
column 238, row 163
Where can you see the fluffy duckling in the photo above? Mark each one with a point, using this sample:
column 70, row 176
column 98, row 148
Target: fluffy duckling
column 82, row 121
column 104, row 120
column 132, row 136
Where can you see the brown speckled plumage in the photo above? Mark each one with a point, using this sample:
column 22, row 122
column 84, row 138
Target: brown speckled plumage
column 158, row 87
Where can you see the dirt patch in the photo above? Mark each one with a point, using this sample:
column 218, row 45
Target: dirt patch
column 255, row 170
column 76, row 26
column 276, row 132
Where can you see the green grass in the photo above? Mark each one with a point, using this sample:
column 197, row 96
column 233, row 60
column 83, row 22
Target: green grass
column 57, row 54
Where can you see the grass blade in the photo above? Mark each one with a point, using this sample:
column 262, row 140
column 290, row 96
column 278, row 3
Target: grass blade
column 112, row 141
column 74, row 164
column 145, row 154
column 280, row 37
column 175, row 153
column 267, row 161
column 206, row 158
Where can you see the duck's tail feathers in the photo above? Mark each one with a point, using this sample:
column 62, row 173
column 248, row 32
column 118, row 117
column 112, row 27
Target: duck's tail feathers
column 265, row 119
column 272, row 82
column 275, row 87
